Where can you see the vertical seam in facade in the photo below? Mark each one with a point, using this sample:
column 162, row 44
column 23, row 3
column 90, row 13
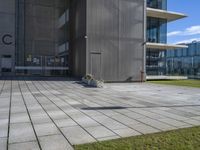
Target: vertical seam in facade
column 145, row 37
column 119, row 21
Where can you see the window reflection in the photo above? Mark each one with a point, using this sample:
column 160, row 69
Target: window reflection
column 184, row 61
column 42, row 38
column 159, row 4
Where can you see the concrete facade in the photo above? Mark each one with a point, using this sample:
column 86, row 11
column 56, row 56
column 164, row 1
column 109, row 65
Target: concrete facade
column 115, row 37
column 114, row 40
column 7, row 35
column 103, row 38
column 41, row 35
column 109, row 43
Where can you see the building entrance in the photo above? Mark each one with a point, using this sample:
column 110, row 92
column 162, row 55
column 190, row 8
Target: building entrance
column 42, row 38
column 6, row 64
column 44, row 66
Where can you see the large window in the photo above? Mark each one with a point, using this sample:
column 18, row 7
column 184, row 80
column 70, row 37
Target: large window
column 155, row 63
column 185, row 52
column 179, row 52
column 43, row 38
column 185, row 61
column 156, row 33
column 156, row 30
column 198, row 49
column 192, row 49
column 159, row 4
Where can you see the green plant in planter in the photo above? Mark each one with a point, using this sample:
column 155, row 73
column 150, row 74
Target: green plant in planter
column 91, row 81
column 89, row 77
column 86, row 79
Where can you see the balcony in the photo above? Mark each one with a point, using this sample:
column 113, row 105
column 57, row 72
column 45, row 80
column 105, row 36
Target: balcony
column 161, row 46
column 163, row 14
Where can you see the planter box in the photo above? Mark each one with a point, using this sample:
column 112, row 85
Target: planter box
column 84, row 80
column 93, row 83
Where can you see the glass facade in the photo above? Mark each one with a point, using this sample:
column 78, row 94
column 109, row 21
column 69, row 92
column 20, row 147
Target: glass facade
column 185, row 61
column 156, row 30
column 155, row 62
column 158, row 4
column 42, row 38
column 156, row 33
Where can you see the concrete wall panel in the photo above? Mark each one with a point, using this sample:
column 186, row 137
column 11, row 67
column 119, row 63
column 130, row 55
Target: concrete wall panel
column 7, row 31
column 7, row 6
column 102, row 33
column 78, row 39
column 131, row 33
column 38, row 32
column 115, row 29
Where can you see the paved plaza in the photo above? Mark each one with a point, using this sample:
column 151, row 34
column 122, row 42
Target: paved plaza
column 55, row 115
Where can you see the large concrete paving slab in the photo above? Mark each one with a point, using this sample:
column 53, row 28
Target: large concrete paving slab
column 55, row 115
column 77, row 135
column 21, row 132
column 54, row 142
column 3, row 143
column 26, row 146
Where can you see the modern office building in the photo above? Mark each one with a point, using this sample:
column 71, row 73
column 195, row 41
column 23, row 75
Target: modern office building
column 157, row 19
column 106, row 38
column 184, row 61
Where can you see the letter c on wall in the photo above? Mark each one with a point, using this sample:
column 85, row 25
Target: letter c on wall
column 6, row 39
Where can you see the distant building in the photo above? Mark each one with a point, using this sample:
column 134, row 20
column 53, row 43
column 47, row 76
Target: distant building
column 184, row 61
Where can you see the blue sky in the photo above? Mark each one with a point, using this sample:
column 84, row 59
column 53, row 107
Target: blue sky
column 188, row 29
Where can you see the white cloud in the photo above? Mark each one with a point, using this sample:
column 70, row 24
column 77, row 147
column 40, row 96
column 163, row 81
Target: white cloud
column 173, row 33
column 188, row 41
column 193, row 30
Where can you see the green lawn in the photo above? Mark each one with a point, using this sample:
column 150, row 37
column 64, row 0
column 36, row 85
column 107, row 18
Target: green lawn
column 183, row 139
column 189, row 83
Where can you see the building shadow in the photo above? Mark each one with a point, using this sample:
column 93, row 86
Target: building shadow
column 35, row 78
column 121, row 107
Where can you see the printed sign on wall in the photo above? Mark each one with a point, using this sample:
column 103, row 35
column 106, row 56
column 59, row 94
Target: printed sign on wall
column 7, row 39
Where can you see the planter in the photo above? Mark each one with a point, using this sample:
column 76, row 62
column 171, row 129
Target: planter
column 84, row 80
column 100, row 84
column 89, row 82
column 92, row 82
column 96, row 83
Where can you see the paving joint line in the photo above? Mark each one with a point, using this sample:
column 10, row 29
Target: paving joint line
column 22, row 142
column 104, row 115
column 137, row 113
column 47, row 113
column 68, row 115
column 123, row 115
column 176, row 119
column 141, row 114
column 2, row 87
column 29, row 116
column 84, row 114
column 8, row 133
